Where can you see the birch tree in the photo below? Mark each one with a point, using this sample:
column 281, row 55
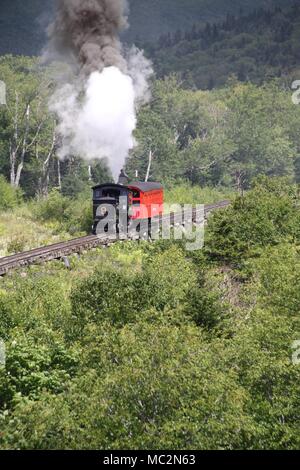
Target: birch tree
column 25, row 116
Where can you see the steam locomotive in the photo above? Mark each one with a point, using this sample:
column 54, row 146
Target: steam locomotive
column 117, row 207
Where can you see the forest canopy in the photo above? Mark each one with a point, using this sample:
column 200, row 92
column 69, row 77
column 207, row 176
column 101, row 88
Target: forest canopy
column 223, row 137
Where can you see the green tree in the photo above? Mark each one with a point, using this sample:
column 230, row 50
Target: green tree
column 265, row 216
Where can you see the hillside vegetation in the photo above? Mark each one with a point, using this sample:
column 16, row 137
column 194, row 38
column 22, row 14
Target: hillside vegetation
column 253, row 47
column 221, row 138
column 109, row 355
column 164, row 16
column 23, row 23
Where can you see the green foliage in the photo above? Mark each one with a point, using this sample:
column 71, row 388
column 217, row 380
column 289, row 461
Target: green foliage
column 72, row 215
column 163, row 288
column 32, row 368
column 150, row 386
column 261, row 354
column 144, row 381
column 263, row 139
column 250, row 46
column 28, row 302
column 79, row 214
column 219, row 138
column 121, row 297
column 205, row 308
column 107, row 295
column 51, row 208
column 16, row 245
column 34, row 315
column 185, row 193
column 9, row 197
column 278, row 279
column 266, row 215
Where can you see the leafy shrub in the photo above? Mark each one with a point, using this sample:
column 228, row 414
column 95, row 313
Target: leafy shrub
column 261, row 354
column 185, row 193
column 51, row 208
column 168, row 278
column 16, row 245
column 72, row 215
column 121, row 297
column 9, row 197
column 205, row 308
column 266, row 215
column 34, row 316
column 73, row 185
column 30, row 303
column 107, row 295
column 32, row 367
column 7, row 321
column 79, row 215
column 278, row 274
column 150, row 387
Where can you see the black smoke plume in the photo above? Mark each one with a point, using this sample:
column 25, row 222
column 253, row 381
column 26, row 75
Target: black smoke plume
column 90, row 30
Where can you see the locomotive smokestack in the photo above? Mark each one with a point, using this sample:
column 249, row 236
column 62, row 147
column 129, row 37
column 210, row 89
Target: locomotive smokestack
column 123, row 178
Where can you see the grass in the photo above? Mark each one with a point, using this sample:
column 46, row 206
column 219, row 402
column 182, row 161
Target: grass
column 20, row 232
column 186, row 194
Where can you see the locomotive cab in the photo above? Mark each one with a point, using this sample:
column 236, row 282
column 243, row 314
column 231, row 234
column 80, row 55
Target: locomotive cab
column 106, row 197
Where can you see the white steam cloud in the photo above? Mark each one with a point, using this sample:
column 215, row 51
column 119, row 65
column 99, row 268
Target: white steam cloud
column 102, row 125
column 97, row 111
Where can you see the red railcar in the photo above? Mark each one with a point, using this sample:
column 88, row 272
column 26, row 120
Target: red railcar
column 145, row 200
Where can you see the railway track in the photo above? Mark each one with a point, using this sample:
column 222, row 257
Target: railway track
column 78, row 245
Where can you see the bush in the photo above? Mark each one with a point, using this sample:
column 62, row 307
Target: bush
column 33, row 302
column 32, row 366
column 185, row 193
column 107, row 295
column 168, row 278
column 122, row 297
column 51, row 208
column 277, row 275
column 73, row 215
column 16, row 245
column 205, row 308
column 79, row 215
column 149, row 388
column 9, row 197
column 265, row 216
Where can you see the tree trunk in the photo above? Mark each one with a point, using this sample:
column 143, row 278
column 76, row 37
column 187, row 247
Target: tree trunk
column 18, row 174
column 149, row 166
column 14, row 144
column 46, row 165
column 59, row 174
column 239, row 176
column 90, row 173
